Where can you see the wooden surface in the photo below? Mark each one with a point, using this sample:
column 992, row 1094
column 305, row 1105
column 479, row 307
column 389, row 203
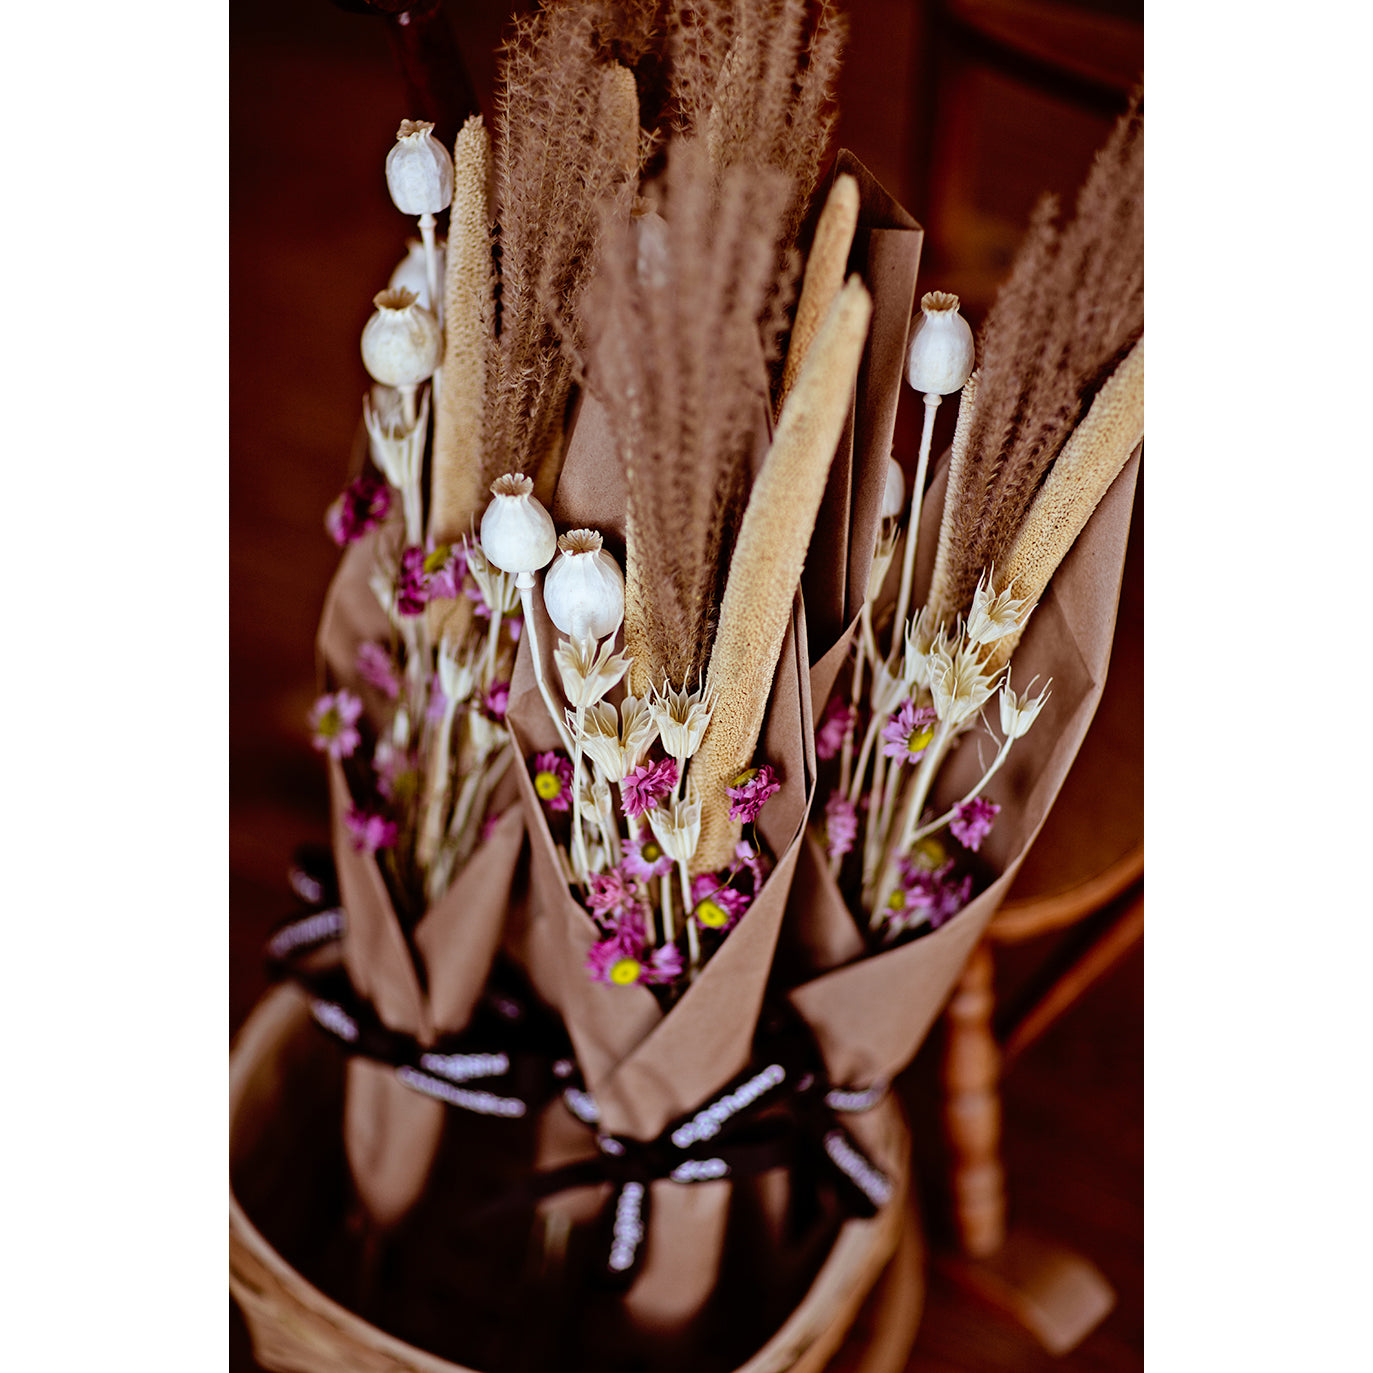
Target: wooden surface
column 315, row 99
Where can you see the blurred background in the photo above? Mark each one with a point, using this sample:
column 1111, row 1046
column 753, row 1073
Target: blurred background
column 966, row 110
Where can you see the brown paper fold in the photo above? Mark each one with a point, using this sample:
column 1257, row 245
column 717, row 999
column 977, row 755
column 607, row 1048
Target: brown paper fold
column 871, row 1014
column 426, row 981
column 886, row 254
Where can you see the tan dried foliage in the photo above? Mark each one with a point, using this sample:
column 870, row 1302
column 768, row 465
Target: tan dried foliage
column 677, row 360
column 560, row 153
column 1071, row 308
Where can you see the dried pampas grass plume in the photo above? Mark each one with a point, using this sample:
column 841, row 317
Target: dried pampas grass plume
column 766, row 568
column 829, row 256
column 1070, row 310
column 1090, row 461
column 458, row 491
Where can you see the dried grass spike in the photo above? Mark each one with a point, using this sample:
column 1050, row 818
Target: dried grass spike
column 766, row 568
column 458, row 492
column 829, row 256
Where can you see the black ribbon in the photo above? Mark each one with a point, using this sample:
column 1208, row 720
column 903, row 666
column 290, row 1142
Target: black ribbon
column 514, row 1057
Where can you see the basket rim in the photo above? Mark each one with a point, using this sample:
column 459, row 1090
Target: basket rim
column 862, row 1245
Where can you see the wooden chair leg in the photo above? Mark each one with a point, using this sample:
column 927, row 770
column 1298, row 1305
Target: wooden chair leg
column 972, row 1110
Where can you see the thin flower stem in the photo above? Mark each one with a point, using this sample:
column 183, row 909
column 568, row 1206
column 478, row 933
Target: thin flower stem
column 949, row 814
column 431, row 263
column 436, row 788
column 869, row 738
column 669, row 929
column 846, row 750
column 693, row 938
column 531, row 629
column 493, row 638
column 580, row 858
column 913, row 524
column 910, row 816
column 873, row 832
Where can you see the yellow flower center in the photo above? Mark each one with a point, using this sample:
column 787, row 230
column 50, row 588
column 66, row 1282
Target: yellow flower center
column 897, row 900
column 624, row 972
column 548, row 785
column 712, row 916
column 929, row 853
column 650, row 852
column 918, row 743
column 435, row 561
column 744, row 777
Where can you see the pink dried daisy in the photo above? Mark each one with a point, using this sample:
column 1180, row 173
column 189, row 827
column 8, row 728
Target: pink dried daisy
column 646, row 785
column 908, row 735
column 611, row 892
column 412, row 585
column 664, row 965
column 445, row 568
column 497, row 700
column 612, row 961
column 334, row 719
column 553, row 780
column 835, row 727
column 369, row 830
column 376, row 669
column 717, row 907
column 751, row 792
column 973, row 820
column 644, row 858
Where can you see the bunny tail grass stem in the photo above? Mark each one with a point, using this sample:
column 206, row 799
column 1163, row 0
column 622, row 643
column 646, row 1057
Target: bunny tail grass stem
column 903, row 603
column 457, row 488
column 829, row 256
column 766, row 568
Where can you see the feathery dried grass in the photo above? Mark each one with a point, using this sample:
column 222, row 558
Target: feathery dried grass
column 766, row 568
column 756, row 78
column 1082, row 474
column 676, row 360
column 1073, row 304
column 824, row 278
column 458, row 489
column 560, row 153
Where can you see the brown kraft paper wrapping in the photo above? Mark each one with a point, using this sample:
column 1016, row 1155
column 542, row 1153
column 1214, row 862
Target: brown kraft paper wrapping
column 886, row 254
column 644, row 1067
column 871, row 1014
column 425, row 983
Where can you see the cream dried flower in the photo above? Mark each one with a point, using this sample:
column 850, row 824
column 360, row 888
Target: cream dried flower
column 617, row 743
column 497, row 588
column 940, row 358
column 894, row 493
column 677, row 826
column 921, row 641
column 992, row 617
column 401, row 342
column 517, row 533
column 681, row 717
column 958, row 683
column 584, row 590
column 1017, row 715
column 457, row 675
column 588, row 670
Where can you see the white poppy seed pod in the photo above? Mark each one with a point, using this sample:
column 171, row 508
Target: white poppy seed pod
column 584, row 590
column 894, row 495
column 402, row 341
column 419, row 172
column 517, row 533
column 941, row 352
column 412, row 272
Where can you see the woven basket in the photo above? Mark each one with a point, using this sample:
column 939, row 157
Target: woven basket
column 296, row 1328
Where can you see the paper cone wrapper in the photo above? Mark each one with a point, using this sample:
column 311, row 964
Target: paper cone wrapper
column 423, row 980
column 870, row 1014
column 886, row 254
column 643, row 1067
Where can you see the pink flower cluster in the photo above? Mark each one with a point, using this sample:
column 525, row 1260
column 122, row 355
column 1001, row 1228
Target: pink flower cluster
column 646, row 785
column 624, row 957
column 751, row 793
column 334, row 719
column 429, row 573
column 907, row 735
column 360, row 506
column 369, row 830
column 927, row 896
column 841, row 825
column 972, row 822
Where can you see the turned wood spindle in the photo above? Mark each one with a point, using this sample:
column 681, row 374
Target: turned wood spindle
column 972, row 1119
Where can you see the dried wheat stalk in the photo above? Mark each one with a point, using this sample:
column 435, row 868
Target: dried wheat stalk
column 458, row 489
column 766, row 567
column 1073, row 304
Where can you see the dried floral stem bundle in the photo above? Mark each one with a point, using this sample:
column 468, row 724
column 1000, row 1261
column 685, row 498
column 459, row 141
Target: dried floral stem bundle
column 766, row 567
column 1074, row 303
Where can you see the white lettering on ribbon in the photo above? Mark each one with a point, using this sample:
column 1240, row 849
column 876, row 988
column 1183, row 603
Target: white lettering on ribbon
column 706, row 1123
column 628, row 1230
column 874, row 1185
column 464, row 1067
column 483, row 1103
column 334, row 1018
column 313, row 929
column 700, row 1170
